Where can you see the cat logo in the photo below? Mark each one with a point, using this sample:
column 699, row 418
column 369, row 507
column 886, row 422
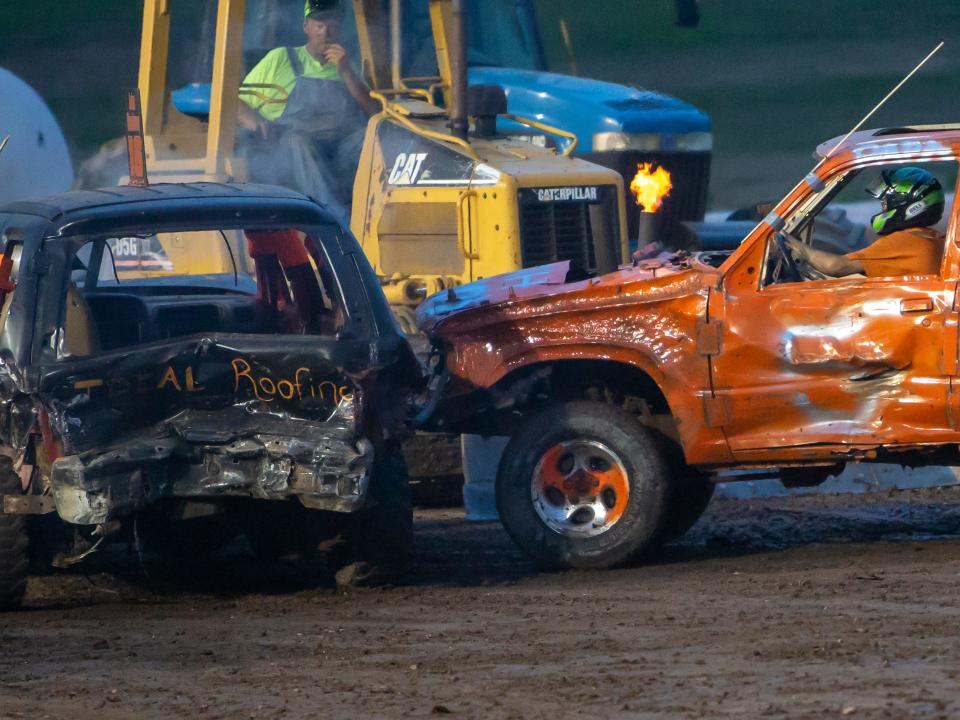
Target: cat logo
column 406, row 168
column 567, row 194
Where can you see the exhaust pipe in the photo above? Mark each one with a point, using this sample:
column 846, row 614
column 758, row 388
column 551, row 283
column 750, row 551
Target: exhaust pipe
column 646, row 230
column 459, row 41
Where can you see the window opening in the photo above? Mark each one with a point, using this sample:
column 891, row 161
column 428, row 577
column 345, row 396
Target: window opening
column 131, row 290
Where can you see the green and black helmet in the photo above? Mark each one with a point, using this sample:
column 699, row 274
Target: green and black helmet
column 909, row 197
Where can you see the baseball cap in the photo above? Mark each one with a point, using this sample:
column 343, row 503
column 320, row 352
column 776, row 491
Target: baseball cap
column 321, row 9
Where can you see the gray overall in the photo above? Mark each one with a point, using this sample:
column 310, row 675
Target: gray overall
column 321, row 136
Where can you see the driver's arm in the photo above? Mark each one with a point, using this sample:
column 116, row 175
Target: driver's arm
column 826, row 262
column 336, row 54
column 252, row 120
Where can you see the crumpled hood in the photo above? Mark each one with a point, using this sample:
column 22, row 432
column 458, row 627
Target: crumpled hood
column 585, row 106
column 545, row 281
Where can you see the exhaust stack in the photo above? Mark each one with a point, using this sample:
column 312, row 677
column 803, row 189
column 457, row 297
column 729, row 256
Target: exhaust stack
column 459, row 40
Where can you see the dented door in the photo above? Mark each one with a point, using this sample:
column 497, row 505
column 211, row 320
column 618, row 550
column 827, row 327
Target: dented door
column 842, row 362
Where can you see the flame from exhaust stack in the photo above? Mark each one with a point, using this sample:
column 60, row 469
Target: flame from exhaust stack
column 651, row 186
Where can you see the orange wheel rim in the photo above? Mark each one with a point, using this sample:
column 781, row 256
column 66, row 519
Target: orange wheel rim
column 580, row 488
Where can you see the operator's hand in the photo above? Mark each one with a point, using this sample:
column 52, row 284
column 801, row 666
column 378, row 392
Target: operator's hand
column 334, row 53
column 798, row 249
column 253, row 121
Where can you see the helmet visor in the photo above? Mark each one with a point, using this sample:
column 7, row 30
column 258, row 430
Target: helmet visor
column 878, row 187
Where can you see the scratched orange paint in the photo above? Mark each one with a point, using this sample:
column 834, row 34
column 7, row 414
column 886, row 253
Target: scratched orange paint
column 794, row 372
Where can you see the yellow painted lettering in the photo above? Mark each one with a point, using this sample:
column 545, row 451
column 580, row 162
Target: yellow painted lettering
column 191, row 385
column 87, row 385
column 241, row 369
column 286, row 389
column 269, row 387
column 323, row 393
column 296, row 381
column 170, row 376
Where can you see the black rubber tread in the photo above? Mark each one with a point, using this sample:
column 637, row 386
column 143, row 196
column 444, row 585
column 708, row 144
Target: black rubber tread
column 14, row 544
column 690, row 494
column 380, row 537
column 647, row 468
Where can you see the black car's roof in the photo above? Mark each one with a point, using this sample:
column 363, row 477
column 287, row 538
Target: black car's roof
column 165, row 201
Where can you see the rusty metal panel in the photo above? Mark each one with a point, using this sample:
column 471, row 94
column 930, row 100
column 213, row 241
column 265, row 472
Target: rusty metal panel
column 709, row 334
column 716, row 410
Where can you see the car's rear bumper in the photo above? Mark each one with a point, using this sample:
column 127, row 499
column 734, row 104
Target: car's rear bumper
column 324, row 472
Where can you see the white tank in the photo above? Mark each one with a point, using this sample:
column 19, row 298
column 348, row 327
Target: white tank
column 36, row 161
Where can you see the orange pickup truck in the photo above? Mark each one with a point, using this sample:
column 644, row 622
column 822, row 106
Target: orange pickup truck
column 625, row 394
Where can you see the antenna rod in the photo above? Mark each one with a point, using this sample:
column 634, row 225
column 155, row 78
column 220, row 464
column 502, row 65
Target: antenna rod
column 3, row 143
column 889, row 95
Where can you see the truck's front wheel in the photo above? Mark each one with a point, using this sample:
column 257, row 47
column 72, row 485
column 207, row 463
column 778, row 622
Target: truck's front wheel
column 582, row 485
column 13, row 544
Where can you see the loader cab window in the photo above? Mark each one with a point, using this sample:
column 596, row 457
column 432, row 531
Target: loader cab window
column 140, row 288
column 861, row 226
column 503, row 33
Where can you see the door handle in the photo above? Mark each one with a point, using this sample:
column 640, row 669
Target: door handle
column 465, row 225
column 916, row 305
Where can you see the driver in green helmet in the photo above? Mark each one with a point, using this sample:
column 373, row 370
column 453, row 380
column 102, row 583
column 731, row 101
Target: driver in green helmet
column 911, row 201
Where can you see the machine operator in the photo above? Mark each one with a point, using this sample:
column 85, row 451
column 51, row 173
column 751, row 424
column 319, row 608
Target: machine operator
column 911, row 201
column 314, row 138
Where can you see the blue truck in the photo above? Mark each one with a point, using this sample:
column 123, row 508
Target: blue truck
column 617, row 126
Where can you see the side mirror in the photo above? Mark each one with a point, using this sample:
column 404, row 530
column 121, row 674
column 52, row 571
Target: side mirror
column 688, row 13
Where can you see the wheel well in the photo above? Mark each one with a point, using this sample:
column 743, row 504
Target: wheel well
column 608, row 381
column 625, row 386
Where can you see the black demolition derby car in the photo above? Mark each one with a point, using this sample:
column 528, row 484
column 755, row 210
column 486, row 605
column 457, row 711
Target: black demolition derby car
column 186, row 362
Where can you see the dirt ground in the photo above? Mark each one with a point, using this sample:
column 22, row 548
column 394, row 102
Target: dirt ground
column 801, row 607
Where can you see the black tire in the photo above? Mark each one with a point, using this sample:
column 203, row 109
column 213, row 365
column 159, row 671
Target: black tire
column 378, row 544
column 690, row 494
column 643, row 468
column 14, row 560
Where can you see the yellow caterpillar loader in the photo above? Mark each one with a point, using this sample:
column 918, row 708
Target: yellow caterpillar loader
column 440, row 198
